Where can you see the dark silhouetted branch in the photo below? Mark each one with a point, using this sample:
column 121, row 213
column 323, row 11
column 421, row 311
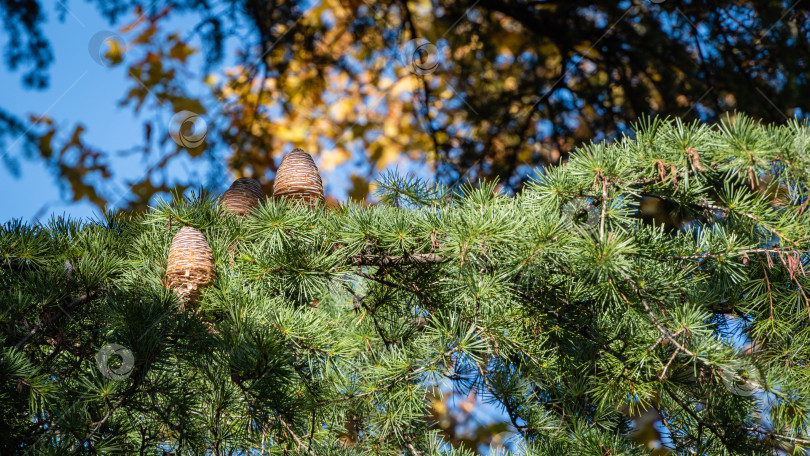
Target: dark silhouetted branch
column 385, row 260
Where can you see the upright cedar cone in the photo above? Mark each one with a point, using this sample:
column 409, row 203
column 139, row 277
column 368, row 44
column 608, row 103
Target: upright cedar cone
column 191, row 265
column 244, row 194
column 298, row 178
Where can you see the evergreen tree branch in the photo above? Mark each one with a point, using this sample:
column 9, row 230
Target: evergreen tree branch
column 711, row 426
column 13, row 265
column 405, row 377
column 298, row 441
column 664, row 332
column 361, row 300
column 397, row 260
column 134, row 388
column 510, row 294
column 573, row 326
column 84, row 299
column 603, row 210
column 739, row 253
column 663, row 374
column 708, row 207
column 388, row 283
column 766, row 432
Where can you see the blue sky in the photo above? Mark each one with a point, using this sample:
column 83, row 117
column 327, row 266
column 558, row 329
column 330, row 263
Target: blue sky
column 81, row 90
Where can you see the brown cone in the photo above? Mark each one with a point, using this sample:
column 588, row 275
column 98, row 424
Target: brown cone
column 243, row 195
column 298, row 178
column 191, row 265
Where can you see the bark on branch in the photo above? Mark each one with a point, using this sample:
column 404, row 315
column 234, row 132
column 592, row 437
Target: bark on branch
column 78, row 301
column 385, row 260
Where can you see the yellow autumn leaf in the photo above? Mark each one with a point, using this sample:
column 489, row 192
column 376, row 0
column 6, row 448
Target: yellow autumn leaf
column 339, row 110
column 359, row 189
column 297, row 98
column 211, row 79
column 439, row 407
column 115, row 52
column 256, row 128
column 524, row 155
column 292, row 134
column 237, row 70
column 329, row 159
column 390, row 127
column 325, row 126
column 385, row 83
column 180, row 51
column 406, row 84
column 510, row 83
column 388, row 153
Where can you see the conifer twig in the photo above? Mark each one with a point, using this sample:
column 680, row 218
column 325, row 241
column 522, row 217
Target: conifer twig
column 725, row 210
column 798, row 440
column 80, row 300
column 362, row 301
column 386, row 260
column 603, row 211
column 295, row 437
column 10, row 264
column 691, row 412
column 390, row 385
column 139, row 379
column 664, row 332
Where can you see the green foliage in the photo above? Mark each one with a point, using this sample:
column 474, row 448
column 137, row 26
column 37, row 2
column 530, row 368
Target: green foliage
column 329, row 331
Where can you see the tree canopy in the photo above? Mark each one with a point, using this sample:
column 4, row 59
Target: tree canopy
column 328, row 329
column 466, row 89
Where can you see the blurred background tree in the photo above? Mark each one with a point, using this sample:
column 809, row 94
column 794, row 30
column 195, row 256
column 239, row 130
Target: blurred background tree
column 453, row 89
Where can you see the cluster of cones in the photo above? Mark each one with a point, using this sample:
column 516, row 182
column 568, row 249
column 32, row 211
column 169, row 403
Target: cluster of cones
column 190, row 266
